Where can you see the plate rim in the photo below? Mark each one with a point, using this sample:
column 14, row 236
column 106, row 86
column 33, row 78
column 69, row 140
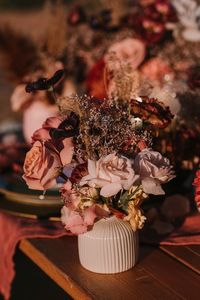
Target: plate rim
column 29, row 199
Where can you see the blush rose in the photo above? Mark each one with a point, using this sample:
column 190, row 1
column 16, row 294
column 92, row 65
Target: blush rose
column 154, row 170
column 111, row 174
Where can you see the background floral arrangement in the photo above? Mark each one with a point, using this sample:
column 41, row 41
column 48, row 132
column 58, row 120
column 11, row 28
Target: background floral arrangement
column 102, row 153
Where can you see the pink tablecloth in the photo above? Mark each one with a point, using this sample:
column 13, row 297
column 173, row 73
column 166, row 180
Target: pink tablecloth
column 13, row 229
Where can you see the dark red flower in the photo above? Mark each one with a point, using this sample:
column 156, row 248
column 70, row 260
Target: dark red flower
column 150, row 23
column 151, row 31
column 95, row 81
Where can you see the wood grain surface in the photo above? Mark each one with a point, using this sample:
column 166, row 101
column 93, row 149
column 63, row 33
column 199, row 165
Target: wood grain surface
column 156, row 276
column 187, row 255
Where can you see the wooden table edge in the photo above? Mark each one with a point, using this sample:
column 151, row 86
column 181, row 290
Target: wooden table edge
column 64, row 281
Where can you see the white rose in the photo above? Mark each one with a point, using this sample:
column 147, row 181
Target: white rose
column 111, row 173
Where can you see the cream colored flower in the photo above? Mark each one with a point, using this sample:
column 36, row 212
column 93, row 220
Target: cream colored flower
column 88, row 195
column 135, row 217
column 111, row 174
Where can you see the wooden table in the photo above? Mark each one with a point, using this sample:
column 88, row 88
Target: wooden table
column 170, row 272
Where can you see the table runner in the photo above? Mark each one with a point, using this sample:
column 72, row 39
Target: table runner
column 12, row 230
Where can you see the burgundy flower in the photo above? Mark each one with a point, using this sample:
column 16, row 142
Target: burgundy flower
column 150, row 30
column 151, row 22
column 161, row 11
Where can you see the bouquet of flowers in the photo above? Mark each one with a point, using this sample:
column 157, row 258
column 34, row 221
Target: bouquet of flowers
column 101, row 152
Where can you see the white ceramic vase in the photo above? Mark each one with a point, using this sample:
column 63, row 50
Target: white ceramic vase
column 110, row 247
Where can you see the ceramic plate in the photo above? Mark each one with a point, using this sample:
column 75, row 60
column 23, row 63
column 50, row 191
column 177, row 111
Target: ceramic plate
column 18, row 199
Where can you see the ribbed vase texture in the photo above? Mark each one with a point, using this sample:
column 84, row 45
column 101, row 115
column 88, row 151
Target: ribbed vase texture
column 110, row 247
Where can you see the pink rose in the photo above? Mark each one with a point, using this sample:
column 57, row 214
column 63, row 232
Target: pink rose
column 41, row 166
column 42, row 134
column 64, row 146
column 111, row 174
column 77, row 222
column 129, row 50
column 153, row 169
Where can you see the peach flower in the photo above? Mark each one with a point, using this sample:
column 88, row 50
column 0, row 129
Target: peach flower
column 41, row 166
column 129, row 50
column 155, row 69
column 111, row 174
column 154, row 170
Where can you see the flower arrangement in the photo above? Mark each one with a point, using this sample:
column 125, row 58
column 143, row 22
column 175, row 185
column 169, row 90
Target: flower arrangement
column 101, row 151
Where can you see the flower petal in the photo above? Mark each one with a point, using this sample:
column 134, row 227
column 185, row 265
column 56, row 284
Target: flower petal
column 152, row 186
column 67, row 152
column 89, row 215
column 92, row 168
column 110, row 190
